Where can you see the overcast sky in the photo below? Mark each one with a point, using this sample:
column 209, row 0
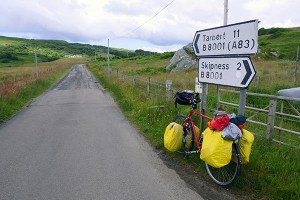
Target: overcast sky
column 157, row 25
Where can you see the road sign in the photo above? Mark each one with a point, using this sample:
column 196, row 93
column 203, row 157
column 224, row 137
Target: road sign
column 234, row 39
column 234, row 72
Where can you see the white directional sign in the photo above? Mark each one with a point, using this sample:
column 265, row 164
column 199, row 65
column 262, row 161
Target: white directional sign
column 234, row 72
column 234, row 39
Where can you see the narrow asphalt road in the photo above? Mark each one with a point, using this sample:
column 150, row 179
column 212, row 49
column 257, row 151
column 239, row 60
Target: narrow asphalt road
column 74, row 143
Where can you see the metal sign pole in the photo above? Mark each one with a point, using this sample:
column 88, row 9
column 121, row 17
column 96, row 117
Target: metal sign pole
column 203, row 105
column 224, row 23
column 242, row 103
column 225, row 12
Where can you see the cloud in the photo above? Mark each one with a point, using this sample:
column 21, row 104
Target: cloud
column 129, row 8
column 261, row 6
column 271, row 13
column 94, row 20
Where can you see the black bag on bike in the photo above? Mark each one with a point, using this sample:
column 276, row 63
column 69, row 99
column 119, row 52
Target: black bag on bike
column 184, row 97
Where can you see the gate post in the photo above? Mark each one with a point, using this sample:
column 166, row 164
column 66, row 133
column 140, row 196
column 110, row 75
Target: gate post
column 148, row 86
column 168, row 91
column 133, row 83
column 271, row 120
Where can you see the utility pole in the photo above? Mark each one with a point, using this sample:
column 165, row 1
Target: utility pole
column 36, row 66
column 225, row 12
column 108, row 72
column 224, row 24
column 243, row 92
column 204, row 85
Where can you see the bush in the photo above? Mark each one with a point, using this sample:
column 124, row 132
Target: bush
column 263, row 44
column 7, row 57
column 263, row 31
column 167, row 55
column 275, row 35
column 4, row 60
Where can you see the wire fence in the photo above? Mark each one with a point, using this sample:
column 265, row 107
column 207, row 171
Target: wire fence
column 146, row 86
column 277, row 117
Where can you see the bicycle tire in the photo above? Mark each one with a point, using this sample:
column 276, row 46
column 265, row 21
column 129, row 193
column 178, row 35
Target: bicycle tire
column 228, row 174
column 188, row 133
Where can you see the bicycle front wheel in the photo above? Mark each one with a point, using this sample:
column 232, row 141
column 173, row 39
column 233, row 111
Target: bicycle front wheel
column 188, row 133
column 228, row 174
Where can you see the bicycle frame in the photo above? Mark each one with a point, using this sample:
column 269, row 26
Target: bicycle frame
column 190, row 118
column 224, row 175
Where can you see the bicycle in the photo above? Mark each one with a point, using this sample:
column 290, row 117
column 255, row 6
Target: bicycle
column 223, row 176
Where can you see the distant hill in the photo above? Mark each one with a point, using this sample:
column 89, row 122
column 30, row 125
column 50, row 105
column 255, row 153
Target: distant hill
column 281, row 42
column 18, row 50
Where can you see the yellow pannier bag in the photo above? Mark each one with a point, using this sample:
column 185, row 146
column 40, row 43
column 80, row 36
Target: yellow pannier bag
column 173, row 137
column 216, row 151
column 245, row 146
column 189, row 139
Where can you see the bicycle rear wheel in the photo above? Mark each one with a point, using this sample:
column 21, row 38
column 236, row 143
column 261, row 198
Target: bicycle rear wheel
column 188, row 133
column 228, row 174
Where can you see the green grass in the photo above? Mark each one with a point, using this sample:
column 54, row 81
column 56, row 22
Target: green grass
column 18, row 51
column 283, row 40
column 11, row 104
column 273, row 171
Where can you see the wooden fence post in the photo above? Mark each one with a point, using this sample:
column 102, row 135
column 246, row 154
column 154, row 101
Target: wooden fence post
column 271, row 120
column 257, row 81
column 168, row 91
column 133, row 83
column 148, row 87
column 280, row 120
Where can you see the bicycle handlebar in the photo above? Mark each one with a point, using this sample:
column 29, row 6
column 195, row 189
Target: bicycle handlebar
column 196, row 100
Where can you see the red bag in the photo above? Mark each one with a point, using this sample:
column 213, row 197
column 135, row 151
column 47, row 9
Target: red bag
column 220, row 122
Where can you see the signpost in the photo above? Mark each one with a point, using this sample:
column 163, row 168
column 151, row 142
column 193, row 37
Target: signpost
column 235, row 39
column 234, row 72
column 223, row 56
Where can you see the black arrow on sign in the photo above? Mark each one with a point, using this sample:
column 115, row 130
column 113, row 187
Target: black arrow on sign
column 195, row 43
column 248, row 74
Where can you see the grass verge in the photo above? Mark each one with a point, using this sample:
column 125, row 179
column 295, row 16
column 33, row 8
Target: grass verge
column 12, row 103
column 273, row 171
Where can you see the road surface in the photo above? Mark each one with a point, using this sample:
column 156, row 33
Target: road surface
column 74, row 143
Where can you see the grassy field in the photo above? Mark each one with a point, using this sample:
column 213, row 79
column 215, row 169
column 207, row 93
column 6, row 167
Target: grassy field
column 272, row 75
column 24, row 85
column 7, row 73
column 273, row 172
column 17, row 51
column 281, row 40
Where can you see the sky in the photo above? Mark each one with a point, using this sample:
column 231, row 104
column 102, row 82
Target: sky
column 156, row 25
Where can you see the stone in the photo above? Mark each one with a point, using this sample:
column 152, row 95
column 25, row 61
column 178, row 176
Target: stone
column 183, row 59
